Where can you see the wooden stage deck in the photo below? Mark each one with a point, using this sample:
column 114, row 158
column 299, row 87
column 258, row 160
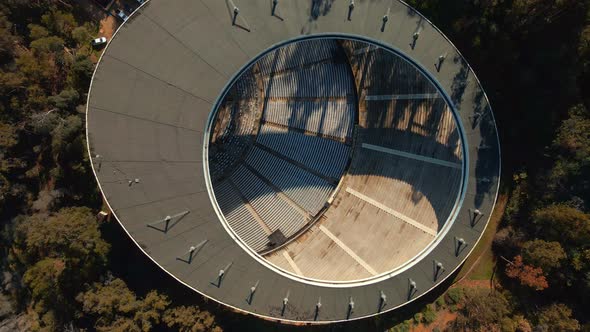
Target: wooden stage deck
column 399, row 191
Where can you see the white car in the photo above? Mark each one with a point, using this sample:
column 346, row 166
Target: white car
column 98, row 41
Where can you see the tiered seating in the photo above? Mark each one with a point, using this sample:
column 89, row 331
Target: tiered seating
column 239, row 218
column 221, row 160
column 245, row 87
column 286, row 176
column 296, row 55
column 324, row 156
column 273, row 210
column 332, row 118
column 322, row 80
column 388, row 74
column 236, row 136
column 307, row 190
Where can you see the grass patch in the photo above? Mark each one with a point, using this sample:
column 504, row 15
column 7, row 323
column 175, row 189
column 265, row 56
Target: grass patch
column 484, row 246
column 484, row 269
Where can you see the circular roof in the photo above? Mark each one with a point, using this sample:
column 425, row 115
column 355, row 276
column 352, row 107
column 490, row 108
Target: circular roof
column 282, row 157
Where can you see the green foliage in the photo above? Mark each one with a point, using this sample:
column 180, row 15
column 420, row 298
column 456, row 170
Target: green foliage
column 57, row 255
column 118, row 309
column 569, row 175
column 65, row 136
column 417, row 318
column 66, row 100
column 50, row 44
column 455, row 295
column 81, row 73
column 59, row 22
column 4, row 190
column 44, row 280
column 109, row 299
column 482, row 310
column 151, row 309
column 36, row 98
column 563, row 223
column 517, row 197
column 62, row 251
column 42, row 124
column 7, row 40
column 71, row 235
column 402, row 327
column 30, row 68
column 37, row 31
column 81, row 35
column 113, row 304
column 428, row 315
column 557, row 317
column 8, row 136
column 190, row 319
column 546, row 255
column 581, row 260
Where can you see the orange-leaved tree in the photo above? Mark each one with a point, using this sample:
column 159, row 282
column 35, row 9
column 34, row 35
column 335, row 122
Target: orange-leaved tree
column 527, row 275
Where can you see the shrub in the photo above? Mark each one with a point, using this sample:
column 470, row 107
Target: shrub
column 455, row 295
column 428, row 315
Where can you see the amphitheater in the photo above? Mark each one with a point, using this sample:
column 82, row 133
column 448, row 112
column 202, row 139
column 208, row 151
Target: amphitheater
column 302, row 161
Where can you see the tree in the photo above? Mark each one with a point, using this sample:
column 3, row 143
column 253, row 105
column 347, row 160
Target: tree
column 526, row 12
column 72, row 235
column 112, row 304
column 81, row 35
column 527, row 275
column 51, row 44
column 557, row 317
column 8, row 137
column 44, row 281
column 64, row 135
column 546, row 255
column 563, row 223
column 482, row 311
column 37, row 32
column 36, row 98
column 66, row 100
column 81, row 73
column 572, row 145
column 116, row 308
column 30, row 69
column 4, row 190
column 42, row 124
column 522, row 324
column 190, row 319
column 7, row 40
column 150, row 310
column 60, row 23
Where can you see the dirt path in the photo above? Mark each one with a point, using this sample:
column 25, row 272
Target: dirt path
column 108, row 25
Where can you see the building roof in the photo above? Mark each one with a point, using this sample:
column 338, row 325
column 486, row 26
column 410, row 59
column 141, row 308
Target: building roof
column 151, row 100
